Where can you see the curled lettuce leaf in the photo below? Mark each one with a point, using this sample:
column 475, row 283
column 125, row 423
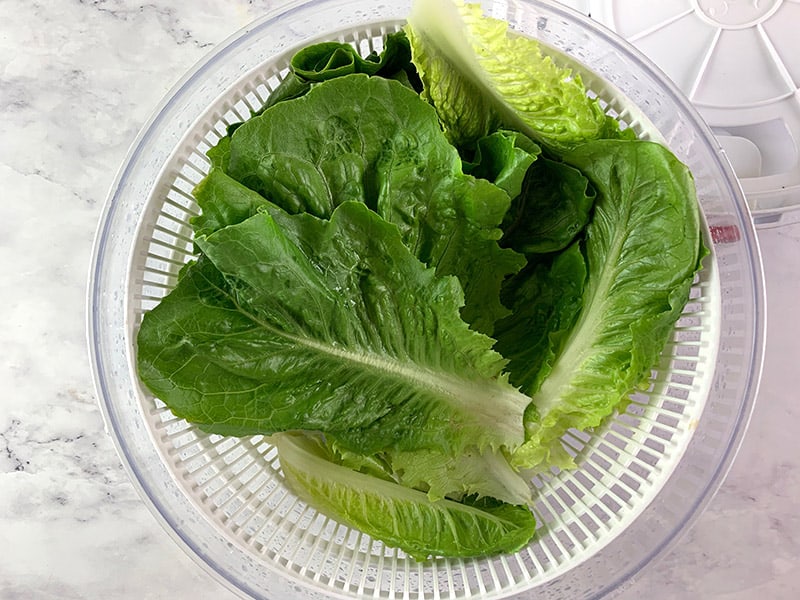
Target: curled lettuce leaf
column 397, row 515
column 503, row 157
column 224, row 201
column 471, row 473
column 481, row 76
column 552, row 208
column 327, row 60
column 545, row 299
column 642, row 250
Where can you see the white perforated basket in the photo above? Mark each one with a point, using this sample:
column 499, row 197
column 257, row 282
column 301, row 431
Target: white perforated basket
column 641, row 479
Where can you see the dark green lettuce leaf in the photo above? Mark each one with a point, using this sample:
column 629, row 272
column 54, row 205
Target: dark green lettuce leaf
column 224, row 201
column 642, row 248
column 302, row 323
column 397, row 515
column 503, row 158
column 374, row 141
column 553, row 207
column 220, row 154
column 545, row 300
column 328, row 60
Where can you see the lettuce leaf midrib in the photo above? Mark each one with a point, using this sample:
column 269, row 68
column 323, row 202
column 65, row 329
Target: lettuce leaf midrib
column 581, row 339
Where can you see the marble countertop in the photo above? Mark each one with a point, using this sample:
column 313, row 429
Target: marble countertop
column 77, row 80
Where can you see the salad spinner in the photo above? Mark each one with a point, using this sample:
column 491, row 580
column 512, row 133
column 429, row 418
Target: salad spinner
column 642, row 478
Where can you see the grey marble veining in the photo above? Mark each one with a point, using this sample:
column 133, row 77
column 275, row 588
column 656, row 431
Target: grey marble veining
column 77, row 81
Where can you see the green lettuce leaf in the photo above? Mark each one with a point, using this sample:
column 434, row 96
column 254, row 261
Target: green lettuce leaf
column 481, row 76
column 552, row 209
column 302, row 323
column 375, row 141
column 220, row 154
column 642, row 248
column 397, row 515
column 503, row 157
column 545, row 299
column 328, row 60
column 224, row 201
column 471, row 473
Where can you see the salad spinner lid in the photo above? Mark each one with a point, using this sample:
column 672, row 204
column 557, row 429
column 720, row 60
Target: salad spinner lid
column 738, row 61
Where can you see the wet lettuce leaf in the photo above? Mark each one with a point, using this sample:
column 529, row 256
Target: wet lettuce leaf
column 397, row 515
column 642, row 249
column 481, row 76
column 545, row 299
column 374, row 141
column 503, row 157
column 552, row 208
column 292, row 322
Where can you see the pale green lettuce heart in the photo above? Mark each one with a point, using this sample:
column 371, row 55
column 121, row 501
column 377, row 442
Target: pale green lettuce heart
column 485, row 474
column 480, row 76
column 397, row 515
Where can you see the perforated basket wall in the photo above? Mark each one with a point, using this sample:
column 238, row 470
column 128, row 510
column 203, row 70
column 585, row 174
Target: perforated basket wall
column 224, row 498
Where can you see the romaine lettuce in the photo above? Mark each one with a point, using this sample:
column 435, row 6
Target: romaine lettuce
column 375, row 141
column 642, row 250
column 398, row 515
column 352, row 259
column 481, row 76
column 333, row 326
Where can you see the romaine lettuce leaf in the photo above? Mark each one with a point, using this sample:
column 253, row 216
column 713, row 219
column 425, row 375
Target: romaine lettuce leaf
column 375, row 141
column 224, row 201
column 471, row 473
column 642, row 248
column 545, row 300
column 302, row 323
column 551, row 210
column 397, row 515
column 503, row 157
column 481, row 76
column 328, row 60
column 220, row 154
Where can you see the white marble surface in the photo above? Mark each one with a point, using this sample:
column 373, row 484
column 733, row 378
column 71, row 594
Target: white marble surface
column 77, row 80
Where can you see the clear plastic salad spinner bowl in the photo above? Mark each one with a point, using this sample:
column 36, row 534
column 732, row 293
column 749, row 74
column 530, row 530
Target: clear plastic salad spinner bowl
column 642, row 478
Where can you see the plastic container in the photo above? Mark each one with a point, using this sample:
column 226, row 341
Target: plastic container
column 642, row 479
column 739, row 64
